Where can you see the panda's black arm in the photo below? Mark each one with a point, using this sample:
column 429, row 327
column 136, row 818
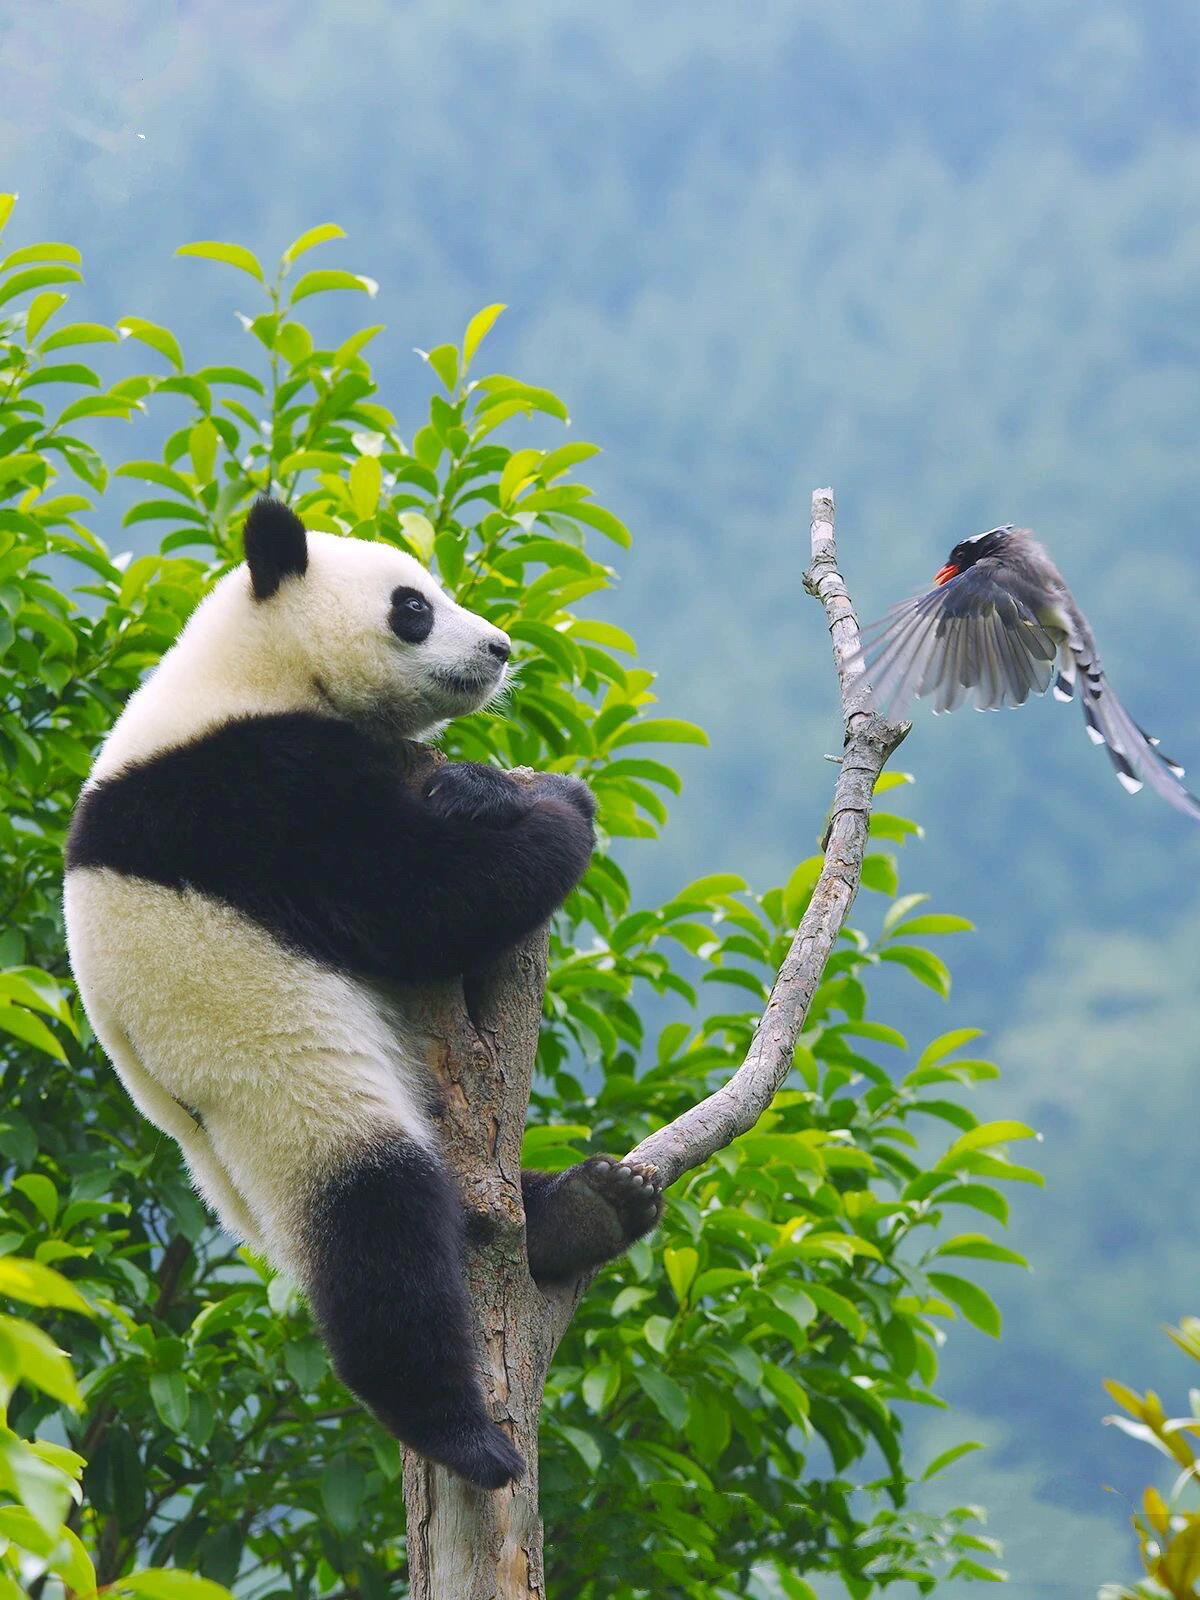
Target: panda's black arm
column 310, row 828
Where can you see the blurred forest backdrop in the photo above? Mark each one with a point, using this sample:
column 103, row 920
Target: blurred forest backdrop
column 944, row 256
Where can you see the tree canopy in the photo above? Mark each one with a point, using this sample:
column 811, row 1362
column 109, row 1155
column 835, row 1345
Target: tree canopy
column 725, row 1415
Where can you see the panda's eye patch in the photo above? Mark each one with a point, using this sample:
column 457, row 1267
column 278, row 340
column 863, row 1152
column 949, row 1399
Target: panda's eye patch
column 411, row 617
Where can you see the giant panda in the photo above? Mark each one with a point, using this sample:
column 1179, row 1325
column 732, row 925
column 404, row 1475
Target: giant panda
column 255, row 869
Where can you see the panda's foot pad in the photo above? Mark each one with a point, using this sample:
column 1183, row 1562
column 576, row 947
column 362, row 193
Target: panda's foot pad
column 633, row 1190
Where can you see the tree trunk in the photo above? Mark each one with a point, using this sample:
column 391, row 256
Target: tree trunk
column 465, row 1543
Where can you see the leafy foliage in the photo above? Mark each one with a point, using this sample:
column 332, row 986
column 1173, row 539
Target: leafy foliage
column 723, row 1417
column 1168, row 1530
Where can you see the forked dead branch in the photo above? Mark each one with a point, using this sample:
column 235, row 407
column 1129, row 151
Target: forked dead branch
column 470, row 1545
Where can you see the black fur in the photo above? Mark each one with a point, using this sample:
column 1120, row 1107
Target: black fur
column 388, row 1291
column 276, row 546
column 308, row 826
column 314, row 830
column 575, row 1220
column 411, row 616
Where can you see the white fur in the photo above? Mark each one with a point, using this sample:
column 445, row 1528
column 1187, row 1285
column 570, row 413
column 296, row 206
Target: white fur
column 289, row 1065
column 320, row 642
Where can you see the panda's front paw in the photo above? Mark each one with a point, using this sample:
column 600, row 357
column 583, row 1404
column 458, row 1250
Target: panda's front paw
column 463, row 791
column 563, row 787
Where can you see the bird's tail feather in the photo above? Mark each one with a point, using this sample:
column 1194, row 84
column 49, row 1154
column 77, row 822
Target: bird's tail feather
column 1134, row 753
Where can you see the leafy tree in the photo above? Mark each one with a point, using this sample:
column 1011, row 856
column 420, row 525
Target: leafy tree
column 1168, row 1531
column 722, row 1418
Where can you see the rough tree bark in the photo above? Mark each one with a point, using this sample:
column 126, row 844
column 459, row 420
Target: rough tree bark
column 464, row 1543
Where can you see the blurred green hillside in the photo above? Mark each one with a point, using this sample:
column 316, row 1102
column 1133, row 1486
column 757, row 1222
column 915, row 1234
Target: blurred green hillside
column 944, row 257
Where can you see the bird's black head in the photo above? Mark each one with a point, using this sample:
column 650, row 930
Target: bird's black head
column 969, row 551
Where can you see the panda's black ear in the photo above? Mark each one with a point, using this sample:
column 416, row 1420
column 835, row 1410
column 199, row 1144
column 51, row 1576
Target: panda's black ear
column 276, row 546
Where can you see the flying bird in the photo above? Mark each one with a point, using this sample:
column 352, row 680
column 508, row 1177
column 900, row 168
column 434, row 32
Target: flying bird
column 999, row 625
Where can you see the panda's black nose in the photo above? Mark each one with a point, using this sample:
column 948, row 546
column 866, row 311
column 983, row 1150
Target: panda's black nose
column 500, row 648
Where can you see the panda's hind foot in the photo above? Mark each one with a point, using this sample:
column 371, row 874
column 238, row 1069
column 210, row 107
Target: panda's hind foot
column 633, row 1190
column 577, row 1219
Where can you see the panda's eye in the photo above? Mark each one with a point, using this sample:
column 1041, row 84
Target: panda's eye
column 411, row 617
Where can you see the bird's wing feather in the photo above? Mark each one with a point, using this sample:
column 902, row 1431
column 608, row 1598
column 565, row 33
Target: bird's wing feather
column 977, row 637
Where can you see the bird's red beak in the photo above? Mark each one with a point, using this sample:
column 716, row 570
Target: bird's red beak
column 946, row 573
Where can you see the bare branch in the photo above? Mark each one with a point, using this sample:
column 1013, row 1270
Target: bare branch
column 736, row 1106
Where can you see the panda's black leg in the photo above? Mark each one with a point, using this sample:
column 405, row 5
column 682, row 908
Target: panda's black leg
column 575, row 1220
column 384, row 1236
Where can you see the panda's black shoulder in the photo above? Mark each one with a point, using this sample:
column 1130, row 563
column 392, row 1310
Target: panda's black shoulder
column 264, row 781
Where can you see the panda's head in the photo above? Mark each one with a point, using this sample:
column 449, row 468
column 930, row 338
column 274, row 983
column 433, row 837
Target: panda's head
column 373, row 633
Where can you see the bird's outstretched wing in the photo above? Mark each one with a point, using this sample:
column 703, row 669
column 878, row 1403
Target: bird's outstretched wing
column 976, row 638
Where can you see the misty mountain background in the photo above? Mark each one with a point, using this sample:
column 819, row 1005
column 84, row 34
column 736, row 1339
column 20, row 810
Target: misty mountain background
column 943, row 256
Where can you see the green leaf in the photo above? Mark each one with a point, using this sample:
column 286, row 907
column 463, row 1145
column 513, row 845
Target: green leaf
column 840, row 1310
column 343, row 1489
column 326, row 279
column 946, row 1044
column 321, row 234
column 73, row 333
column 41, row 1194
column 160, row 339
column 922, row 927
column 985, row 1137
column 923, row 964
column 792, row 1300
column 350, row 348
column 162, row 1583
column 794, row 1588
column 681, row 1265
column 30, row 1030
column 365, row 483
column 478, row 329
column 59, row 1548
column 519, row 469
column 39, row 1361
column 979, row 1197
column 37, row 1285
column 879, row 873
column 41, row 308
column 790, row 1395
column 603, row 521
column 665, row 1393
column 36, row 1482
column 600, row 1385
column 37, row 278
column 556, row 462
column 169, row 1392
column 584, row 1443
column 716, row 885
column 48, row 251
column 444, row 361
column 948, row 1457
column 202, row 447
column 659, row 730
column 233, row 255
column 799, row 887
column 418, row 530
column 979, row 1247
column 7, row 202
column 978, row 1307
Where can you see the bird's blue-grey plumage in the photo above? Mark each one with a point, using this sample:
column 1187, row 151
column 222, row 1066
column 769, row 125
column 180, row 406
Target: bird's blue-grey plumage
column 999, row 625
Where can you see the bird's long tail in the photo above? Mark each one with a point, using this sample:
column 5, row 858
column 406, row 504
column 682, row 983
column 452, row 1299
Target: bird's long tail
column 1134, row 753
